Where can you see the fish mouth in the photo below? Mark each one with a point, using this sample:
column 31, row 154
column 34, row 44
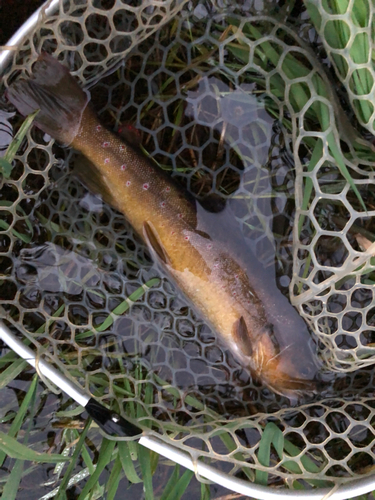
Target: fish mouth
column 293, row 389
column 289, row 369
column 283, row 377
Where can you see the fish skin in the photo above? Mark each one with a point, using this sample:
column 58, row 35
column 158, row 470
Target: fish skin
column 206, row 270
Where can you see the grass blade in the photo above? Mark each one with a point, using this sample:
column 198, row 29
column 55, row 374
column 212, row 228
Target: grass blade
column 114, row 479
column 127, row 462
column 69, row 471
column 171, row 482
column 14, row 449
column 123, row 307
column 144, row 456
column 179, row 487
column 14, row 480
column 12, row 371
column 105, row 457
column 18, row 138
column 17, row 422
column 5, row 168
column 271, row 435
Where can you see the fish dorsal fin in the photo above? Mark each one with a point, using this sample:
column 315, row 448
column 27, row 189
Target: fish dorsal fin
column 213, row 203
column 154, row 243
column 92, row 178
column 242, row 337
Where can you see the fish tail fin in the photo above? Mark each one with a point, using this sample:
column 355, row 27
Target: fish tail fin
column 59, row 98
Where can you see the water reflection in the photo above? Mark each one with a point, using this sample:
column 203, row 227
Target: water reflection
column 56, row 269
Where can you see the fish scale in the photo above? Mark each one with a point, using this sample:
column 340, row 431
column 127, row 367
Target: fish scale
column 146, row 189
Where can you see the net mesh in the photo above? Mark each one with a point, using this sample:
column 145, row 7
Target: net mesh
column 234, row 105
column 347, row 34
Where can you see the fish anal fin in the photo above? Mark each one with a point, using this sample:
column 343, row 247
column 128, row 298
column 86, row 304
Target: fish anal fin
column 153, row 241
column 242, row 337
column 92, row 178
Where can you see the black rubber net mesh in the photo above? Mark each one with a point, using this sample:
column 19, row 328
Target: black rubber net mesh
column 190, row 82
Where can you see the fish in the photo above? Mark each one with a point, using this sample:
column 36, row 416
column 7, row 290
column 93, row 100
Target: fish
column 206, row 269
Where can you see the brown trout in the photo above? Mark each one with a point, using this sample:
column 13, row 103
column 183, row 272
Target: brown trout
column 206, row 269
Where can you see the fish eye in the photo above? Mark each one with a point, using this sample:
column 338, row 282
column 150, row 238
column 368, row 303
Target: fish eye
column 307, row 370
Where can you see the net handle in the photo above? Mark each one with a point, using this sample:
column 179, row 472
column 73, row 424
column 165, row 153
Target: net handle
column 114, row 424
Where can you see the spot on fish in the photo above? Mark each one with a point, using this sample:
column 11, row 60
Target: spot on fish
column 236, row 276
column 209, row 246
column 128, row 183
column 105, row 144
column 162, row 204
column 173, row 232
column 179, row 216
column 167, row 189
column 98, row 128
column 146, row 186
column 123, row 167
column 106, row 160
column 234, row 293
column 122, row 147
column 216, row 266
column 187, row 238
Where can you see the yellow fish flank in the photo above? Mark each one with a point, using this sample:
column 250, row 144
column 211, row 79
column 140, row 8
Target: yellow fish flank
column 205, row 269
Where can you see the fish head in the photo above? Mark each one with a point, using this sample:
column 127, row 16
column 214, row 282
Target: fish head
column 287, row 369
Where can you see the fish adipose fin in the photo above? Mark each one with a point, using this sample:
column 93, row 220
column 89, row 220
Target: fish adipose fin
column 241, row 336
column 154, row 243
column 57, row 95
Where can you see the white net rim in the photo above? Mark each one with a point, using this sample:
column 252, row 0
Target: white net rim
column 353, row 488
column 161, row 446
column 49, row 7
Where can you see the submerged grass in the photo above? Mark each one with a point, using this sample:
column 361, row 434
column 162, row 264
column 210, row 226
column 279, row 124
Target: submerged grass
column 121, row 458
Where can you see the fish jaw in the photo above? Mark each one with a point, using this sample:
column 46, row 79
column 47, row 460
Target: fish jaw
column 288, row 371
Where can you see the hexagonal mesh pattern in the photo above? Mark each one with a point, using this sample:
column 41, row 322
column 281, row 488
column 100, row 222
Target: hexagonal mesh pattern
column 351, row 51
column 222, row 118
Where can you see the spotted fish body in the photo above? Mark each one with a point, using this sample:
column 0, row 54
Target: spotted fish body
column 205, row 269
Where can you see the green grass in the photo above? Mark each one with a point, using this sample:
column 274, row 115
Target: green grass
column 7, row 159
column 336, row 35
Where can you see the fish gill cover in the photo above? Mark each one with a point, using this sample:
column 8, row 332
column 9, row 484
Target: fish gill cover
column 237, row 107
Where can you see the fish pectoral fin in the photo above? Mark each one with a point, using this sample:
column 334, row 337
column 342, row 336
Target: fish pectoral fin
column 242, row 337
column 154, row 242
column 92, row 178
